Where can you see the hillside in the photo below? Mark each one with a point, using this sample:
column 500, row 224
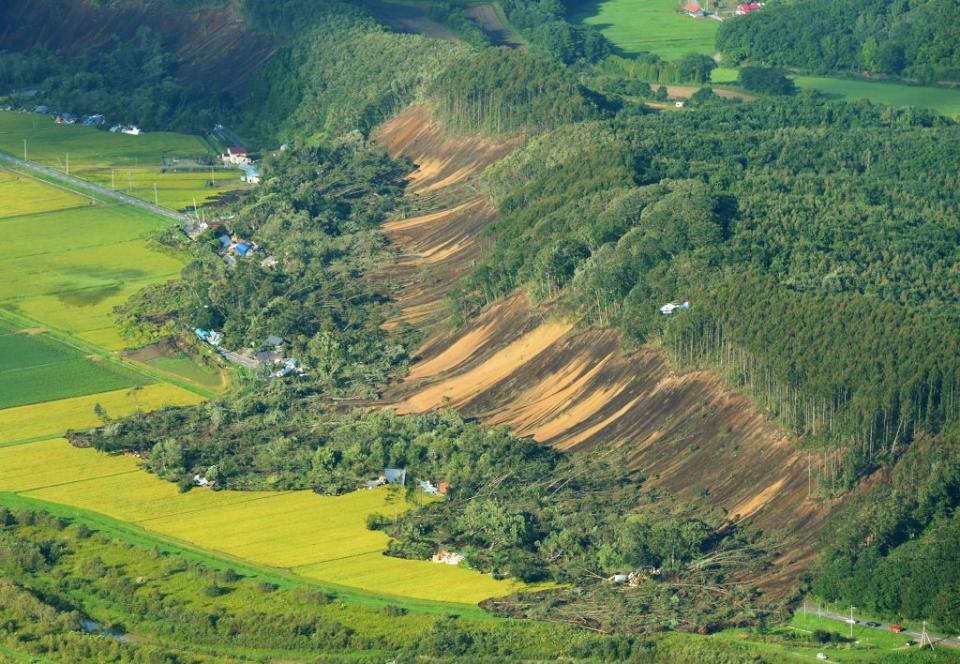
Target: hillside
column 570, row 386
column 462, row 277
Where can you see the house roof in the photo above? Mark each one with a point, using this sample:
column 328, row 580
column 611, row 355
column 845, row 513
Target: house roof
column 237, row 149
column 273, row 340
column 693, row 7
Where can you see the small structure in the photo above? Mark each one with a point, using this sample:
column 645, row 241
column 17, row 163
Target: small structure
column 373, row 484
column 41, row 109
column 619, row 578
column 443, row 487
column 669, row 308
column 396, row 476
column 448, row 557
column 680, row 104
column 748, row 7
column 694, row 10
column 290, row 366
column 224, row 240
column 243, row 248
column 236, row 155
column 268, row 357
column 273, row 341
column 97, row 120
column 200, row 480
column 212, row 337
column 251, row 174
column 428, row 488
column 131, row 130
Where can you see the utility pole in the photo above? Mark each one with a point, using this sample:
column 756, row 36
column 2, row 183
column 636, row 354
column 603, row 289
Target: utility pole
column 809, row 477
column 156, row 199
column 24, row 149
column 925, row 638
column 113, row 179
column 851, row 620
column 68, row 163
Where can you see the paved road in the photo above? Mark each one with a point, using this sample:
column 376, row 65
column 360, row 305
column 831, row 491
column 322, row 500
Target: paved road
column 92, row 189
column 938, row 640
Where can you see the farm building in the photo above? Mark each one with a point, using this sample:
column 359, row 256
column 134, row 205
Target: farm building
column 236, row 155
column 746, row 8
column 251, row 175
column 273, row 341
column 669, row 308
column 395, row 476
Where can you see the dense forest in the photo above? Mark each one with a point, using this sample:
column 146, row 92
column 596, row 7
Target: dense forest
column 918, row 40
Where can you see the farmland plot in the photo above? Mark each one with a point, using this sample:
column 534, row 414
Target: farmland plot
column 35, row 368
column 318, row 537
column 654, row 26
column 134, row 164
column 69, row 268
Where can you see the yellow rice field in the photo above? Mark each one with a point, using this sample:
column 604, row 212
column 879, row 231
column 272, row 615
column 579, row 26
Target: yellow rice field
column 54, row 417
column 319, row 537
column 23, row 195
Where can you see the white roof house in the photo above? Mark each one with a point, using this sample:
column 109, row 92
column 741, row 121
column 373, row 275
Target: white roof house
column 668, row 309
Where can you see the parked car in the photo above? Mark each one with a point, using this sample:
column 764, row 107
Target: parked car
column 851, row 621
column 872, row 624
column 897, row 628
column 911, row 642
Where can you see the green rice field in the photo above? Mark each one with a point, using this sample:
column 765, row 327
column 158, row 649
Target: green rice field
column 69, row 268
column 655, row 26
column 132, row 164
column 36, row 368
column 945, row 101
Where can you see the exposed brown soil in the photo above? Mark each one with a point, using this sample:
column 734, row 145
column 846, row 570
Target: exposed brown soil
column 217, row 51
column 440, row 238
column 687, row 91
column 575, row 388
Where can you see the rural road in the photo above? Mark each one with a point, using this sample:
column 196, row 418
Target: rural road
column 184, row 219
column 236, row 358
column 937, row 639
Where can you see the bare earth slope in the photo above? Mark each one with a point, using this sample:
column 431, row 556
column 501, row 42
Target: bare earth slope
column 570, row 387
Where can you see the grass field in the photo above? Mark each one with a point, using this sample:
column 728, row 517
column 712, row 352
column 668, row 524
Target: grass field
column 35, row 368
column 316, row 537
column 69, row 267
column 942, row 100
column 655, row 26
column 130, row 163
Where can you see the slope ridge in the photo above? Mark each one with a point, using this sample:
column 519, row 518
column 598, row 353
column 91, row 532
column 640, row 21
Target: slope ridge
column 574, row 387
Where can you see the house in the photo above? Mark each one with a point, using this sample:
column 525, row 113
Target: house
column 251, row 175
column 428, row 488
column 131, row 130
column 212, row 337
column 669, row 308
column 448, row 557
column 395, row 476
column 268, row 357
column 236, row 155
column 694, row 10
column 273, row 341
column 746, row 8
